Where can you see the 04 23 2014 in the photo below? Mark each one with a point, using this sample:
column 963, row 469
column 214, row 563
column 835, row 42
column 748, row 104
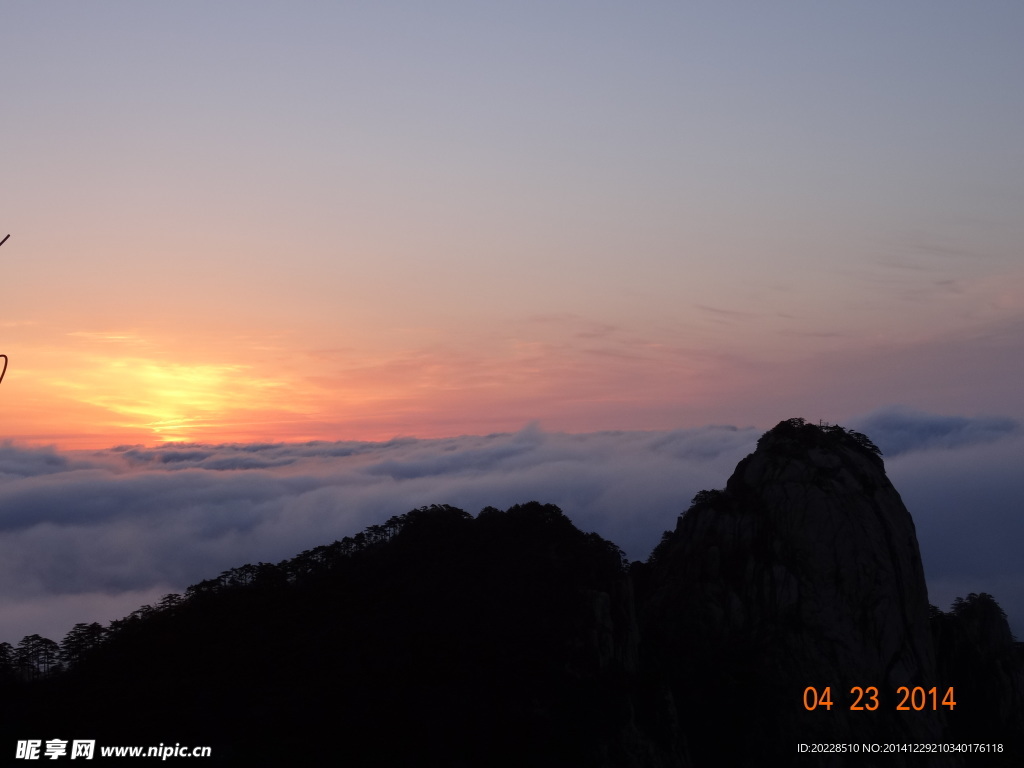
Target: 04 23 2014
column 865, row 699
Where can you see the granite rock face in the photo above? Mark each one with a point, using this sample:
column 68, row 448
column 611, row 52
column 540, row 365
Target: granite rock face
column 804, row 572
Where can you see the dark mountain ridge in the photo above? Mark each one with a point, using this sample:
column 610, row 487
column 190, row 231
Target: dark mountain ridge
column 513, row 638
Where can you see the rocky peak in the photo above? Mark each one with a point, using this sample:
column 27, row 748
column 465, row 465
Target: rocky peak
column 795, row 437
column 805, row 571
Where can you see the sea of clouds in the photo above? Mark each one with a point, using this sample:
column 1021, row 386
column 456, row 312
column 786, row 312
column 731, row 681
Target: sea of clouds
column 90, row 536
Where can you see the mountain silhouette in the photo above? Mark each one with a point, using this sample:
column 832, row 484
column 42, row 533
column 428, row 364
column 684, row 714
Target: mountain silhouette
column 512, row 638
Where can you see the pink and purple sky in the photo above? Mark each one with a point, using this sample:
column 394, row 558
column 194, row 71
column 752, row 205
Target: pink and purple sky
column 283, row 222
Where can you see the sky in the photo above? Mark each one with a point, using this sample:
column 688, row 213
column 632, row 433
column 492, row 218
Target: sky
column 352, row 223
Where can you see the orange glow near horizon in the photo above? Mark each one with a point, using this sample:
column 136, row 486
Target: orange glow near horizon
column 175, row 402
column 103, row 401
column 86, row 390
column 94, row 390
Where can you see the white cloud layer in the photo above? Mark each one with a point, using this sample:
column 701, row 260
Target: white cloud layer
column 89, row 536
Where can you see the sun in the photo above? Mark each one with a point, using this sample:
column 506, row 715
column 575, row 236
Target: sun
column 173, row 401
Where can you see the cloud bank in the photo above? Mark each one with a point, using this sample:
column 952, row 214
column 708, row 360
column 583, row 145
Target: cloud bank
column 897, row 430
column 90, row 536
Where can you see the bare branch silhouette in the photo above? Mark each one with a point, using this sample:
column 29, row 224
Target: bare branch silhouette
column 4, row 356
